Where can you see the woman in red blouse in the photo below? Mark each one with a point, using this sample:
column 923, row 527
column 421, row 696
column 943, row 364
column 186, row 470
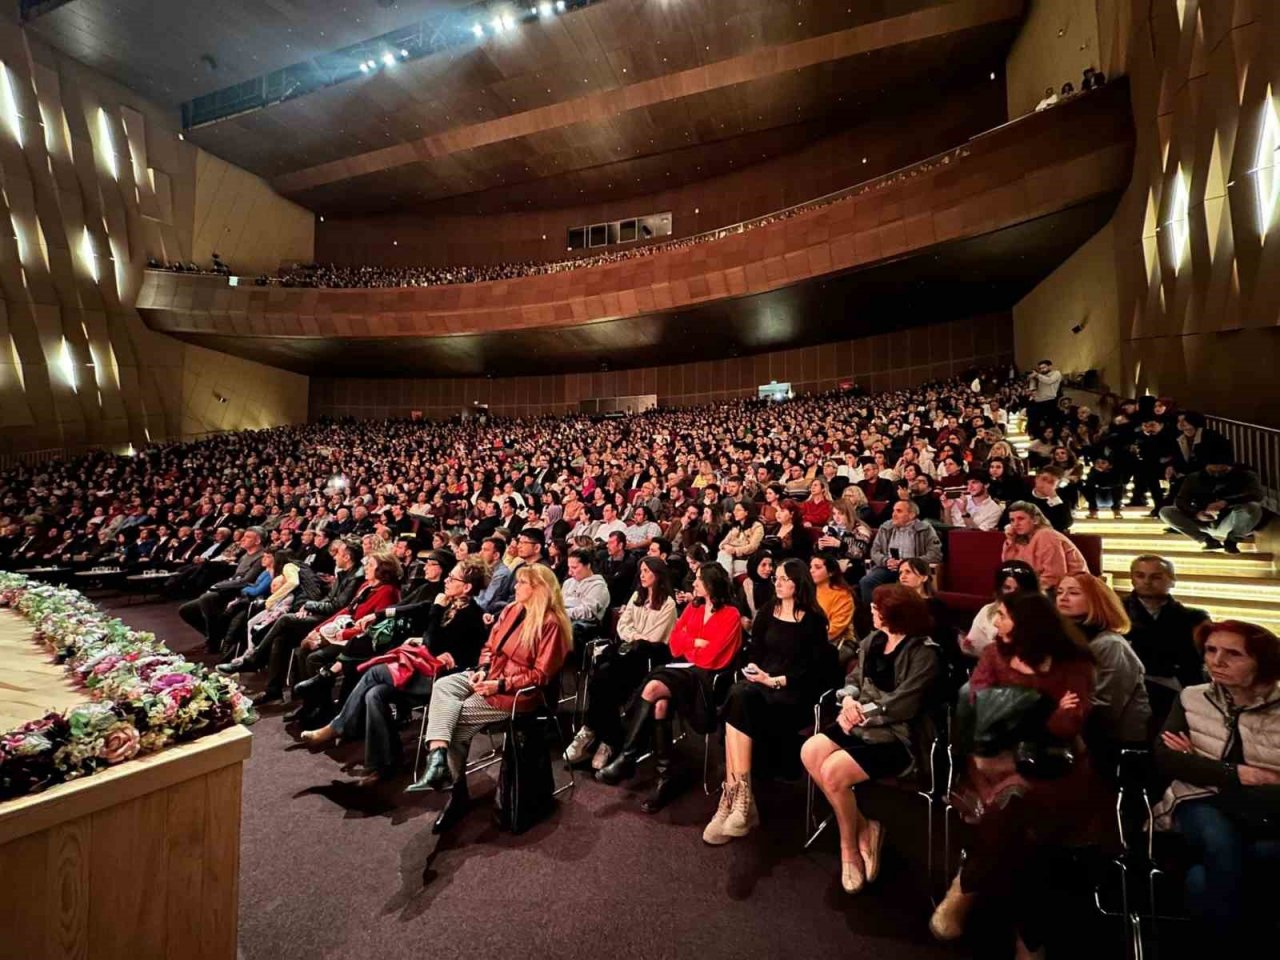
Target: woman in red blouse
column 1021, row 818
column 816, row 511
column 703, row 644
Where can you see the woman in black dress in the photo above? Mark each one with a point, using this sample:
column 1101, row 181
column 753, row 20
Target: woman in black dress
column 889, row 688
column 787, row 660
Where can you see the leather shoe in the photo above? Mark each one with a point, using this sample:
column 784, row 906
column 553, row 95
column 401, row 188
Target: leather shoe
column 232, row 666
column 268, row 696
column 437, row 775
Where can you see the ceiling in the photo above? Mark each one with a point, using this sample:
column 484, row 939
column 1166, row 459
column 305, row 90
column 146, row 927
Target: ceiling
column 644, row 93
column 945, row 282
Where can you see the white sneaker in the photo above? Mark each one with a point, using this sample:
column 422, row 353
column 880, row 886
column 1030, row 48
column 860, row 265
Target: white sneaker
column 582, row 743
column 604, row 753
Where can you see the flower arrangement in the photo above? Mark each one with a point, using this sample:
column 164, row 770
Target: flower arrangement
column 143, row 696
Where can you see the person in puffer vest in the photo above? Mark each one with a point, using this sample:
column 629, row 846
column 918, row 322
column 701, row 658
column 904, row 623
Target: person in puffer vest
column 1221, row 746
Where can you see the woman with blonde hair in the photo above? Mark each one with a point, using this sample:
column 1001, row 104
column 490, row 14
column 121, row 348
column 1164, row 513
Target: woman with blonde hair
column 1121, row 711
column 1030, row 537
column 1003, row 450
column 526, row 648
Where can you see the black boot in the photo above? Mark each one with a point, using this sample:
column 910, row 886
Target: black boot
column 668, row 785
column 623, row 766
column 437, row 775
column 457, row 807
column 315, row 695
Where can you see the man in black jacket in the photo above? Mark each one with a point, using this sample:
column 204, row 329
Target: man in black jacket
column 276, row 648
column 618, row 568
column 205, row 612
column 1156, row 451
column 1218, row 505
column 1162, row 633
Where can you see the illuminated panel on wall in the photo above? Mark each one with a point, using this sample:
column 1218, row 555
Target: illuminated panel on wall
column 9, row 104
column 1265, row 169
column 67, row 366
column 89, row 255
column 1179, row 227
column 108, row 143
column 17, row 363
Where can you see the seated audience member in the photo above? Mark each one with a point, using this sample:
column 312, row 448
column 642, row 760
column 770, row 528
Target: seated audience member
column 903, row 537
column 452, row 633
column 791, row 539
column 340, row 634
column 974, row 508
column 756, row 588
column 609, row 524
column 642, row 530
column 237, row 612
column 890, row 687
column 501, row 586
column 1221, row 747
column 1012, row 577
column 1121, row 711
column 919, row 490
column 1161, row 633
column 816, row 511
column 1029, row 537
column 1193, row 434
column 526, row 648
column 917, row 576
column 743, row 539
column 644, row 629
column 279, row 642
column 586, row 598
column 1048, row 100
column 206, row 613
column 1045, row 494
column 618, row 567
column 846, row 538
column 558, row 558
column 836, row 600
column 874, row 486
column 789, row 659
column 703, row 645
column 1220, row 504
column 1103, row 486
column 1020, row 818
column 1006, row 483
column 952, row 477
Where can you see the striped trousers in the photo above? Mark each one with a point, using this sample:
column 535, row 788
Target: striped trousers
column 456, row 715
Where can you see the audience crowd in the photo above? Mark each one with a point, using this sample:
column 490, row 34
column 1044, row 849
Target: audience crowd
column 732, row 566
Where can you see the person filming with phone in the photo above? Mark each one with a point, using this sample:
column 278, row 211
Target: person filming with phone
column 904, row 537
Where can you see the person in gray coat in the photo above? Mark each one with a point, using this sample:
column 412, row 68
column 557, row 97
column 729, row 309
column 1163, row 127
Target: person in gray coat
column 904, row 537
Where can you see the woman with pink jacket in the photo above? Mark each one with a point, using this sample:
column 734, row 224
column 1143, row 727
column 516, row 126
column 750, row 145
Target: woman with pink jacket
column 1031, row 538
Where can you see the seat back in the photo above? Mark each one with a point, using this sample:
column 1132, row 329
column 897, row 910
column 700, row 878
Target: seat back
column 1090, row 546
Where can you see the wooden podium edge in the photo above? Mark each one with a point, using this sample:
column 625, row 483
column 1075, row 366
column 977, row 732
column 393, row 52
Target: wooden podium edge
column 119, row 784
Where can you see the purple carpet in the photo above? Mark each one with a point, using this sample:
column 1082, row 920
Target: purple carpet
column 329, row 870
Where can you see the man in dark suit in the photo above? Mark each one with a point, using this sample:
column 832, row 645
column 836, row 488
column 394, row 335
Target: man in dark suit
column 206, row 612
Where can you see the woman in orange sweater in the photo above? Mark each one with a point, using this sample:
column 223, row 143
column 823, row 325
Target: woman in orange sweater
column 704, row 642
column 836, row 601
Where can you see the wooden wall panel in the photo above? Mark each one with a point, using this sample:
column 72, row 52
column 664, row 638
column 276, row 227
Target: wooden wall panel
column 869, row 361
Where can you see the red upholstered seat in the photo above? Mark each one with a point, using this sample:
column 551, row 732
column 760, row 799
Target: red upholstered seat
column 966, row 579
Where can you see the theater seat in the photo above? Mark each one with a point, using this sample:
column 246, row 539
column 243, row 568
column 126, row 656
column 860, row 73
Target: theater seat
column 965, row 580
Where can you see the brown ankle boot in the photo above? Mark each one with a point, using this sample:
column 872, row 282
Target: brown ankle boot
column 948, row 919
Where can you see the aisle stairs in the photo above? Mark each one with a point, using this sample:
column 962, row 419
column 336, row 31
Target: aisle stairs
column 1244, row 586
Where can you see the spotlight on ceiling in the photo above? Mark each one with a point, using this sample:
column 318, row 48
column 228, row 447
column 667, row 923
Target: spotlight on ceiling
column 477, row 30
column 508, row 21
column 496, row 25
column 364, row 68
column 404, row 54
column 560, row 5
column 545, row 9
column 389, row 59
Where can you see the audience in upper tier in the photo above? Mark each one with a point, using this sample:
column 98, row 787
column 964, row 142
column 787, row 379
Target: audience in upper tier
column 701, row 564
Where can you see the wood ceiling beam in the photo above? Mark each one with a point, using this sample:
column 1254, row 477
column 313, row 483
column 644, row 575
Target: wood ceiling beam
column 924, row 24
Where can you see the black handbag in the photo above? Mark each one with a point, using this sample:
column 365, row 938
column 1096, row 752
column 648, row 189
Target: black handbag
column 526, row 787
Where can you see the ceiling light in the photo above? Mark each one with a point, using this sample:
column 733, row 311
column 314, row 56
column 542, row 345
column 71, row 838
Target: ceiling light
column 389, row 59
column 545, row 9
column 508, row 21
column 364, row 68
column 993, row 74
column 404, row 53
column 477, row 30
column 560, row 5
column 496, row 24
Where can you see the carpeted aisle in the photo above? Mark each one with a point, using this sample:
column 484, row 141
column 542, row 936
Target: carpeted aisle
column 328, row 870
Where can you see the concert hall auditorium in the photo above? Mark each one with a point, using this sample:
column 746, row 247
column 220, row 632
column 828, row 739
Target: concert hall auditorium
column 639, row 478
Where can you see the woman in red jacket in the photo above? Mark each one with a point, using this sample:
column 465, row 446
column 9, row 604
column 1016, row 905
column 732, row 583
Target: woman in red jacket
column 704, row 642
column 526, row 648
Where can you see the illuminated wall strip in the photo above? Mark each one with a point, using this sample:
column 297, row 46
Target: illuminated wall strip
column 9, row 104
column 108, row 144
column 1179, row 224
column 66, row 364
column 89, row 255
column 17, row 363
column 1265, row 165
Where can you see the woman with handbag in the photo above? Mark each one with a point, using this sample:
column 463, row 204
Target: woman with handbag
column 453, row 635
column 644, row 627
column 1033, row 788
column 526, row 648
column 1221, row 746
column 888, row 689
